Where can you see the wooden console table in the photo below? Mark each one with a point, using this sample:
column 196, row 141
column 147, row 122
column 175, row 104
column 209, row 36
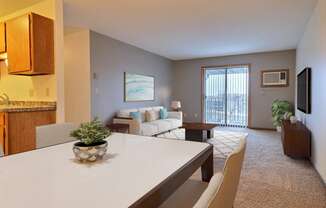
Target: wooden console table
column 296, row 140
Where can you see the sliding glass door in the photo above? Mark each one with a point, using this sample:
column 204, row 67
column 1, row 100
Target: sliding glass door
column 226, row 95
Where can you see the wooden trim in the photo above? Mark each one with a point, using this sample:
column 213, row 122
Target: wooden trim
column 260, row 128
column 225, row 66
column 202, row 94
column 6, row 149
column 203, row 69
column 249, row 96
column 162, row 191
column 123, row 118
column 4, row 132
column 275, row 70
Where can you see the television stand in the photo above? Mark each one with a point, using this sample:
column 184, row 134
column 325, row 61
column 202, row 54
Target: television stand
column 296, row 140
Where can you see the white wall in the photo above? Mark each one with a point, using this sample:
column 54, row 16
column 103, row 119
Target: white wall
column 311, row 52
column 77, row 76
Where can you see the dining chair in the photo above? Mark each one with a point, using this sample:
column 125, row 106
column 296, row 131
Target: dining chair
column 223, row 186
column 48, row 135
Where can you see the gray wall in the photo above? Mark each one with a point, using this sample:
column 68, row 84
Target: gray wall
column 109, row 60
column 187, row 84
column 311, row 53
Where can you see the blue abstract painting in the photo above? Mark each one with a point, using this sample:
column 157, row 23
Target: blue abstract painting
column 138, row 87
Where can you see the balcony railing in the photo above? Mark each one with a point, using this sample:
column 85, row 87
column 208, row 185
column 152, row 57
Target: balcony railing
column 236, row 110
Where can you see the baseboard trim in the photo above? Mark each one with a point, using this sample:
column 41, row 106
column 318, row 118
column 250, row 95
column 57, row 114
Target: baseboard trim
column 321, row 178
column 260, row 128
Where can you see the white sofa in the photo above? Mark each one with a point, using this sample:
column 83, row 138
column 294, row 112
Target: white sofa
column 173, row 121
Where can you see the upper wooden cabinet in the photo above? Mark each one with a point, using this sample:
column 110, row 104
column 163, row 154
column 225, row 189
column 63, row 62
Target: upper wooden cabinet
column 2, row 37
column 30, row 45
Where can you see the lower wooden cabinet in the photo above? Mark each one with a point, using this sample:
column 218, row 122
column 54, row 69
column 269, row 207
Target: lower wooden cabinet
column 21, row 129
column 3, row 133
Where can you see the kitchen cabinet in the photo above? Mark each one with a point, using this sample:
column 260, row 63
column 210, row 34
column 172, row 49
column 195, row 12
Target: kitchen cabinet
column 30, row 45
column 3, row 133
column 2, row 37
column 22, row 129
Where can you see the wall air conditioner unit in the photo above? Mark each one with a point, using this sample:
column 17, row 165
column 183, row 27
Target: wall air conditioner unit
column 275, row 78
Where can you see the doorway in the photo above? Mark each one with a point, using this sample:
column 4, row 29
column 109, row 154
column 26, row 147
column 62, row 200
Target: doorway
column 226, row 95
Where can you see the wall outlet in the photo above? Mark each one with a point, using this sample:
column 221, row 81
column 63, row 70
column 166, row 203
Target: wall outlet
column 184, row 115
column 31, row 92
column 196, row 115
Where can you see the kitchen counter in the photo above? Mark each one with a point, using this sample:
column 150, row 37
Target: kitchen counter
column 27, row 106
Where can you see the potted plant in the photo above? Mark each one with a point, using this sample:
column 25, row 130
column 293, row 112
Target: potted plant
column 92, row 145
column 281, row 109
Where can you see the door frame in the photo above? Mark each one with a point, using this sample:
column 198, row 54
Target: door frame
column 202, row 91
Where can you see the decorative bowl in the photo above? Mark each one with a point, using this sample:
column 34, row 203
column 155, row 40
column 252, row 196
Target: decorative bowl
column 85, row 153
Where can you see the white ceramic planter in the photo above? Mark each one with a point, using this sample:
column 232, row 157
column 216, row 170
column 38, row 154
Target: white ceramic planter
column 90, row 153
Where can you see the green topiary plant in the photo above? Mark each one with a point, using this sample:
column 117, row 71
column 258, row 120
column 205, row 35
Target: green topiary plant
column 281, row 109
column 91, row 133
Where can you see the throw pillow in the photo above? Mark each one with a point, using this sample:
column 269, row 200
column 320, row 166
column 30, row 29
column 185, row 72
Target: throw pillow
column 163, row 113
column 150, row 116
column 136, row 115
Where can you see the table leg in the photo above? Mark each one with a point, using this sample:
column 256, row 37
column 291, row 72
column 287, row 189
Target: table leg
column 210, row 134
column 207, row 168
column 195, row 135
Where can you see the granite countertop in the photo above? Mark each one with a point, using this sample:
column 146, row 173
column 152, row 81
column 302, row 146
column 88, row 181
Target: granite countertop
column 27, row 106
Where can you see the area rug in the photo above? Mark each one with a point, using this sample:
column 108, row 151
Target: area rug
column 224, row 142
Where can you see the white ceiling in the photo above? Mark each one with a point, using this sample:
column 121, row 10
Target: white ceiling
column 9, row 6
column 185, row 29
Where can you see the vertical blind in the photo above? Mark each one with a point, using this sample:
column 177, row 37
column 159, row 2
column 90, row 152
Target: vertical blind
column 226, row 96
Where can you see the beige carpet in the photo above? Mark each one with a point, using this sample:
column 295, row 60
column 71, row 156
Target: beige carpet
column 268, row 180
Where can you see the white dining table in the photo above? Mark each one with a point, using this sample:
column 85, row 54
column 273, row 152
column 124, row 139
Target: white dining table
column 136, row 172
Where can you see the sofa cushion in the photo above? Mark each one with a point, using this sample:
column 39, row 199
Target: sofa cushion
column 174, row 123
column 159, row 126
column 151, row 115
column 163, row 113
column 149, row 129
column 125, row 113
column 157, row 108
column 136, row 115
column 142, row 113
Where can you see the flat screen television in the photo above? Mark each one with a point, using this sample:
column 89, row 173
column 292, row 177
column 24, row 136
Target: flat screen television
column 304, row 91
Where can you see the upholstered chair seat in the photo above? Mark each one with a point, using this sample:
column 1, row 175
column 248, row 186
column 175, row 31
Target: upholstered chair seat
column 53, row 134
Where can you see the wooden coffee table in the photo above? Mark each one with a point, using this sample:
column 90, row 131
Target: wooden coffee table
column 122, row 128
column 199, row 132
